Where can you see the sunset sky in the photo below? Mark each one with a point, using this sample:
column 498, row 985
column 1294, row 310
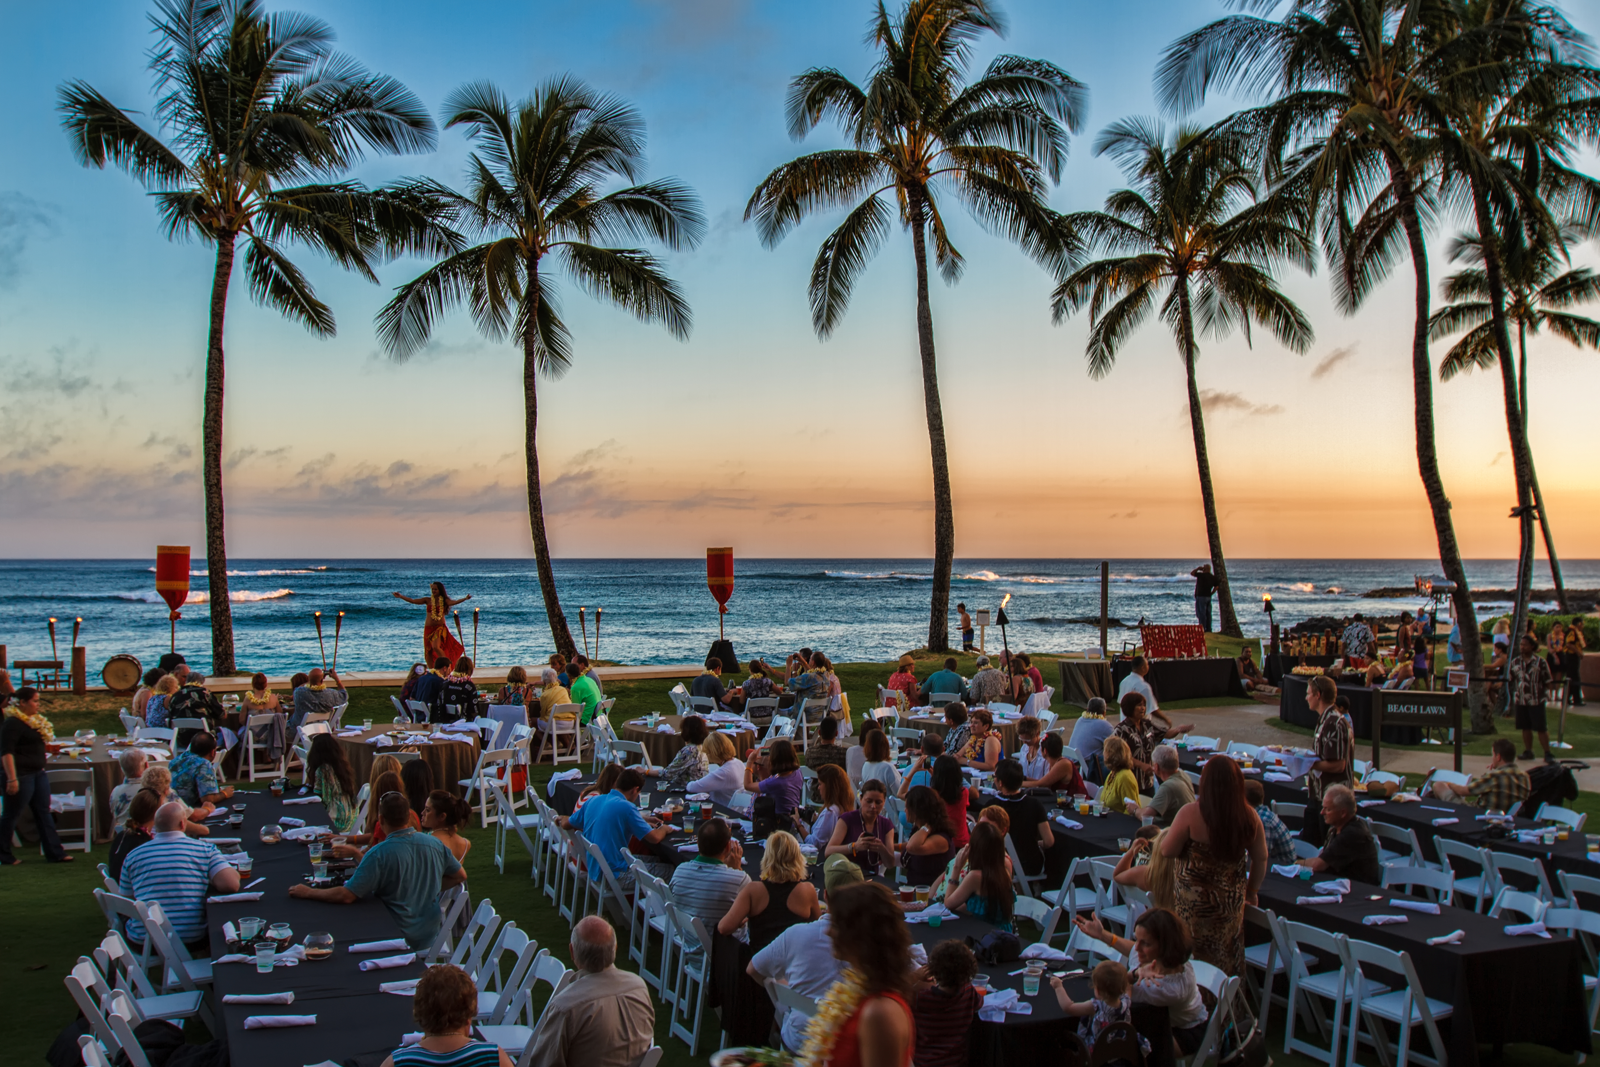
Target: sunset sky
column 753, row 433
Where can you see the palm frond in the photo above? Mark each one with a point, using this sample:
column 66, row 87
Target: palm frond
column 278, row 283
column 1115, row 326
column 844, row 254
column 633, row 280
column 1476, row 349
column 810, row 183
column 407, row 321
column 1456, row 318
column 1575, row 329
column 819, row 93
column 101, row 132
column 665, row 210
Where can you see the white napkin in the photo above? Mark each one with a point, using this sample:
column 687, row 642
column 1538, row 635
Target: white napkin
column 1536, row 929
column 223, row 840
column 1340, row 886
column 1370, row 803
column 1425, row 907
column 290, row 821
column 306, row 833
column 351, row 731
column 268, row 1022
column 1288, row 870
column 259, row 998
column 381, row 741
column 1455, row 937
column 229, row 898
column 562, row 776
column 997, row 1003
column 230, row 932
column 1069, row 824
column 1277, row 776
column 1330, row 899
column 665, row 728
column 384, row 963
column 439, row 735
column 313, row 799
column 1383, row 920
column 1041, row 951
column 407, row 988
column 929, row 912
column 393, row 944
column 698, row 796
column 462, row 726
column 289, row 957
column 1445, row 821
column 411, row 1039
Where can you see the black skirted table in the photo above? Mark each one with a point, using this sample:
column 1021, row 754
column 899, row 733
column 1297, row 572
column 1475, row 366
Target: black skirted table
column 1187, row 679
column 1084, row 679
column 1293, row 709
column 1279, row 666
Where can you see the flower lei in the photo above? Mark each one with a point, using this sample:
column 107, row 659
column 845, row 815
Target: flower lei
column 315, row 688
column 836, row 1008
column 38, row 722
column 253, row 700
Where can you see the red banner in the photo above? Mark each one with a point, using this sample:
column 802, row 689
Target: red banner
column 719, row 575
column 172, row 574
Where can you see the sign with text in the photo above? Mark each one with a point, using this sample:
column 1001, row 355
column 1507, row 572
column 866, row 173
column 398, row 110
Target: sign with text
column 1415, row 707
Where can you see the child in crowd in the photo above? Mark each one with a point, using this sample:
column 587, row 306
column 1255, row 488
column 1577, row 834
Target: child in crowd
column 944, row 1006
column 1111, row 1003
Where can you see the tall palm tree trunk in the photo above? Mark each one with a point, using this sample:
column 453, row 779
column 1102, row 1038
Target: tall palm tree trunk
column 1516, row 424
column 1533, row 471
column 211, row 466
column 1208, row 496
column 1428, row 457
column 944, row 520
column 541, row 543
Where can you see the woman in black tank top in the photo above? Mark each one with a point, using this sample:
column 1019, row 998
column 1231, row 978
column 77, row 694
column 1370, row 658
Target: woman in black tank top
column 782, row 898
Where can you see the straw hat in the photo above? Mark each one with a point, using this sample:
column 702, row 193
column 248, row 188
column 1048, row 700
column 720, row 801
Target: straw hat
column 907, row 661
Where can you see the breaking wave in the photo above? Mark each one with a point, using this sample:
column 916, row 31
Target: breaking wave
column 239, row 596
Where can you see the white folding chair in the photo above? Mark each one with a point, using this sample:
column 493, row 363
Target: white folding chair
column 258, row 730
column 573, row 888
column 620, row 750
column 1447, row 776
column 452, row 906
column 1070, row 897
column 1194, row 741
column 1384, row 778
column 1407, row 849
column 1335, row 983
column 1573, row 820
column 939, row 700
column 607, row 890
column 498, row 986
column 477, row 938
column 155, row 733
column 93, row 1054
column 1111, row 907
column 130, row 722
column 509, row 1036
column 1528, row 906
column 785, row 1000
column 1406, row 1007
column 1524, row 867
column 179, row 970
column 649, row 916
column 680, row 699
column 494, row 765
column 188, row 723
column 419, row 710
column 1573, row 884
column 760, row 708
column 1028, row 885
column 564, row 724
column 80, row 982
column 1042, row 915
column 1440, row 885
column 687, row 1013
column 1584, row 927
column 1269, row 957
column 401, row 714
column 69, row 780
column 118, row 909
column 1224, row 988
column 122, row 969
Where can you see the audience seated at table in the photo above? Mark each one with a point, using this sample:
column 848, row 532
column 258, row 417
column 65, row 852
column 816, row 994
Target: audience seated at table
column 988, row 685
column 781, row 898
column 194, row 776
column 1501, row 785
column 1164, row 976
column 612, row 821
column 516, row 690
column 943, row 681
column 1061, row 775
column 133, row 763
column 141, row 696
column 833, row 689
column 944, row 1005
column 957, row 794
column 1031, row 834
column 921, row 770
column 258, row 699
column 329, row 774
column 879, row 757
column 1222, row 861
column 1143, row 733
column 585, row 687
column 605, row 1017
column 1122, row 788
column 445, row 1007
column 725, row 770
column 775, row 772
column 138, row 828
column 802, row 955
column 604, row 783
column 825, row 748
column 759, row 686
column 836, row 796
column 1174, row 790
column 865, row 835
column 928, row 849
column 551, row 693
column 1030, row 752
column 904, row 679
column 1089, row 735
column 442, row 815
column 155, row 708
column 426, row 689
column 867, row 1008
column 315, row 697
column 177, row 872
column 1280, row 842
column 709, row 883
column 689, row 764
column 192, row 700
column 406, row 871
column 986, row 891
column 1350, row 850
column 983, row 748
column 709, row 682
column 459, row 692
column 408, row 690
column 159, row 780
column 1144, row 866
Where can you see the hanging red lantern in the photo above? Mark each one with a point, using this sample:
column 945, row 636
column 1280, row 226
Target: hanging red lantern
column 172, row 582
column 719, row 578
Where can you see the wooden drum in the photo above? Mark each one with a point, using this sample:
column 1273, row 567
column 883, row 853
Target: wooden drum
column 121, row 674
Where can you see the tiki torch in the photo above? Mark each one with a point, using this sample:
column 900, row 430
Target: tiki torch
column 77, row 624
column 337, row 623
column 316, row 617
column 53, row 639
column 1002, row 620
column 584, row 623
column 597, row 612
column 459, row 638
column 474, row 636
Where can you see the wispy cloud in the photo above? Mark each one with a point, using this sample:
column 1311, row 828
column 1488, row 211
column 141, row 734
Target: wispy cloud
column 1326, row 365
column 22, row 218
column 1215, row 400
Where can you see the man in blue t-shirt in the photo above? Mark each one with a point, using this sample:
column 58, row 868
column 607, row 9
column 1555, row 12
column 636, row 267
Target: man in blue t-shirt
column 945, row 681
column 407, row 870
column 611, row 822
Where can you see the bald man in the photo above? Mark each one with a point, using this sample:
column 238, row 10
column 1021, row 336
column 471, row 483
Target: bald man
column 605, row 1017
column 317, row 696
column 176, row 871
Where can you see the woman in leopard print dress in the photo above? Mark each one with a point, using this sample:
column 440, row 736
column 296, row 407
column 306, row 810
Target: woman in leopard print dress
column 1221, row 851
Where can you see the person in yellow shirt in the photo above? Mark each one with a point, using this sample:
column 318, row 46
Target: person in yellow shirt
column 551, row 693
column 1121, row 785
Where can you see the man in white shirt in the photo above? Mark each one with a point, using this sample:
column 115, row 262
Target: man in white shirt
column 1135, row 683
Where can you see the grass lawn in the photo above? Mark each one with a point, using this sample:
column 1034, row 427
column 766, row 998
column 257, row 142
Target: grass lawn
column 51, row 918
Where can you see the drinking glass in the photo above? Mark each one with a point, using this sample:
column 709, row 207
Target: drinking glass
column 366, row 724
column 244, row 865
column 278, row 786
column 923, row 893
column 1030, row 981
column 908, row 893
column 980, row 982
column 644, row 801
column 235, row 819
column 271, row 834
column 319, row 870
column 266, row 954
column 249, row 928
column 319, row 946
column 1124, row 843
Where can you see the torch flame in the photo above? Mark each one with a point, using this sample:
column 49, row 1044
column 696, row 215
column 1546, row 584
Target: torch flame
column 1006, row 601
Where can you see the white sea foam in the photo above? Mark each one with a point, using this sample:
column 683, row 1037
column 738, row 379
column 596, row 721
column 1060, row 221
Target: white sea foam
column 256, row 574
column 196, row 596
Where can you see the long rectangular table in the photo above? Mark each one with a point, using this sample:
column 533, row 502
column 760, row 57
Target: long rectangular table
column 356, row 1024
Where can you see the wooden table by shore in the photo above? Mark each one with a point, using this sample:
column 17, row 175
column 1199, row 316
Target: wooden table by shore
column 450, row 760
column 100, row 756
column 663, row 746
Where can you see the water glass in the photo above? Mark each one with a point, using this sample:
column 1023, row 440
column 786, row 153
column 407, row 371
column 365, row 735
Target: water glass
column 366, row 724
column 244, row 865
column 319, row 870
column 266, row 953
column 249, row 928
column 1030, row 980
column 644, row 801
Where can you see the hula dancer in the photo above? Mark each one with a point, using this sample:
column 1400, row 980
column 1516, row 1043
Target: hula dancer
column 437, row 641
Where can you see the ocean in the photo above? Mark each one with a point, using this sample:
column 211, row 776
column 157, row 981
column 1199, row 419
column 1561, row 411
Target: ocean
column 658, row 611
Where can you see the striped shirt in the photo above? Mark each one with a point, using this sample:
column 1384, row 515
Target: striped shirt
column 175, row 871
column 472, row 1054
column 706, row 888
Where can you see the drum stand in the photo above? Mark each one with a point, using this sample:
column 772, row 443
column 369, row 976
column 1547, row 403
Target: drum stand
column 1560, row 744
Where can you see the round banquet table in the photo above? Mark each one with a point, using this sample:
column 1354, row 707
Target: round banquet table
column 450, row 761
column 99, row 756
column 1006, row 728
column 662, row 747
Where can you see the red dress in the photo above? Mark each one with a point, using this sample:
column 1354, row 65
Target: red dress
column 437, row 640
column 847, row 1046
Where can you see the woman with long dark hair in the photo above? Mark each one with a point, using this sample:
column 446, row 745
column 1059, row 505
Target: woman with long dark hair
column 437, row 640
column 986, row 890
column 330, row 776
column 418, row 779
column 864, row 1020
column 1221, row 850
column 928, row 850
column 951, row 785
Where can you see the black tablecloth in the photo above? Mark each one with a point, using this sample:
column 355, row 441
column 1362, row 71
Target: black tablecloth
column 1084, row 679
column 1187, row 679
column 1293, row 709
column 356, row 1024
column 1504, row 989
column 1281, row 664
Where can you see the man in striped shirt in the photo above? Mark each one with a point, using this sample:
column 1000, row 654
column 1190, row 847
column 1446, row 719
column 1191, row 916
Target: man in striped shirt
column 707, row 885
column 176, row 871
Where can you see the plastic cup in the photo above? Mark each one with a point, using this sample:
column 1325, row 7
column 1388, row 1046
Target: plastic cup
column 644, row 801
column 244, row 865
column 923, row 892
column 936, row 921
column 1030, row 981
column 319, row 870
column 366, row 724
column 249, row 928
column 1124, row 843
column 980, row 982
column 266, row 954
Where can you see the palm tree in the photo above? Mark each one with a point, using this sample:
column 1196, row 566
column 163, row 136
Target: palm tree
column 1193, row 230
column 1538, row 292
column 262, row 114
column 1353, row 103
column 916, row 130
column 535, row 190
